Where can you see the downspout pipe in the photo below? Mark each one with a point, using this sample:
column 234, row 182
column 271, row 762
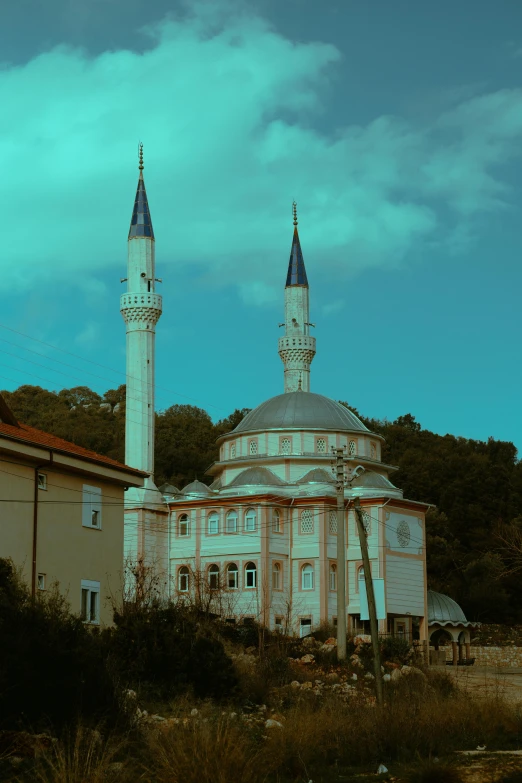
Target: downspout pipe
column 35, row 522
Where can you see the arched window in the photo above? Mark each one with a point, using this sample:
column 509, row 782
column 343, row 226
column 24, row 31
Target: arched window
column 276, row 576
column 213, row 576
column 232, row 451
column 250, row 520
column 333, row 523
column 183, row 525
column 183, row 579
column 307, row 521
column 333, row 576
column 276, row 521
column 352, row 448
column 232, row 579
column 360, row 576
column 253, row 446
column 286, row 446
column 307, row 577
column 320, row 445
column 250, row 575
column 213, row 523
column 232, row 522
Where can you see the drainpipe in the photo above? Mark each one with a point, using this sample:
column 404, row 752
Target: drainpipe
column 35, row 523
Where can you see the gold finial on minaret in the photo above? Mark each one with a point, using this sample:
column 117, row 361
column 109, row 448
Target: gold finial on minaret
column 140, row 148
column 294, row 209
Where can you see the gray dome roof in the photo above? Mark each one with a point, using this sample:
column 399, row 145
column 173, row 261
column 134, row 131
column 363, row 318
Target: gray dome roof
column 443, row 609
column 300, row 410
column 169, row 489
column 256, row 476
column 317, row 476
column 196, row 488
column 369, row 478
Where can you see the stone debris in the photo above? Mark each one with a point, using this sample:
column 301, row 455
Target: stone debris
column 273, row 724
column 308, row 658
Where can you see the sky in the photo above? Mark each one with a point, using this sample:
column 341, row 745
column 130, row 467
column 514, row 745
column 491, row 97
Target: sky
column 396, row 127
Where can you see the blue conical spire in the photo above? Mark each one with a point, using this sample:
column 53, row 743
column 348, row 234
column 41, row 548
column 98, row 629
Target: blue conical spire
column 141, row 223
column 296, row 268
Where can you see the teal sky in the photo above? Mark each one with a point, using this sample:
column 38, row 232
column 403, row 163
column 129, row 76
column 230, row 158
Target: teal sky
column 397, row 128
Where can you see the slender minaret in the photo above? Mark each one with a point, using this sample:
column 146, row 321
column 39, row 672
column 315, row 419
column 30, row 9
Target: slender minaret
column 141, row 309
column 297, row 347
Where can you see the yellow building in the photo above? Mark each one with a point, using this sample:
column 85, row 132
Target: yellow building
column 61, row 515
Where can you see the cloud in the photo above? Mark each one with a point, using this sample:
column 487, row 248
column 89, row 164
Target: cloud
column 227, row 109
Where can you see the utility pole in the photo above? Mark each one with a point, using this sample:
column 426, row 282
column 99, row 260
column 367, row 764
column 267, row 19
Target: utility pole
column 374, row 629
column 341, row 556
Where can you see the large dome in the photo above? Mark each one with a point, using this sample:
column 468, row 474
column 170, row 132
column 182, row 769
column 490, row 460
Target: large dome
column 300, row 410
column 442, row 609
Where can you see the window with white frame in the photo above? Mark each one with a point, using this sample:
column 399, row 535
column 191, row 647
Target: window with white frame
column 213, row 576
column 232, row 451
column 373, row 451
column 41, row 581
column 42, row 481
column 213, row 523
column 232, row 576
column 333, row 576
column 320, row 445
column 253, row 447
column 278, row 621
column 90, row 601
column 183, row 579
column 307, row 577
column 276, row 521
column 360, row 576
column 285, row 446
column 250, row 520
column 183, row 525
column 250, row 575
column 305, row 626
column 307, row 521
column 231, row 526
column 91, row 507
column 333, row 523
column 276, row 576
column 352, row 448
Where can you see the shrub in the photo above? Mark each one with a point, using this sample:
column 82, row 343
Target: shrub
column 395, row 649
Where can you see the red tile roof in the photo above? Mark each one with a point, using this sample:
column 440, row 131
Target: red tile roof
column 35, row 437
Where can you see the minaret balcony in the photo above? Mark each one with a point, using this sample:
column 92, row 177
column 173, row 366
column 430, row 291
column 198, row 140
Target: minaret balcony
column 299, row 341
column 141, row 308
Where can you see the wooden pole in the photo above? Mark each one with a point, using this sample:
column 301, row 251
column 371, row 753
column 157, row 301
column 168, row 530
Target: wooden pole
column 341, row 557
column 374, row 629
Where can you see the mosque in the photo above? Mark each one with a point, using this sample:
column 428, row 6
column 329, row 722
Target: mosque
column 260, row 541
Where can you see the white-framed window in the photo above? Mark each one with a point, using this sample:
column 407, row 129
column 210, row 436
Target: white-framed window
column 332, row 523
column 253, row 447
column 278, row 621
column 307, row 521
column 250, row 576
column 41, row 581
column 90, row 601
column 232, row 576
column 231, row 526
column 250, row 520
column 352, row 448
column 42, row 481
column 183, row 525
column 213, row 576
column 305, row 626
column 285, row 446
column 373, row 451
column 307, row 577
column 213, row 524
column 232, row 451
column 276, row 521
column 183, row 579
column 276, row 576
column 92, row 507
column 320, row 445
column 333, row 576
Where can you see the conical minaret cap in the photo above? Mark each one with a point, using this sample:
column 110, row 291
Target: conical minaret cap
column 141, row 223
column 296, row 268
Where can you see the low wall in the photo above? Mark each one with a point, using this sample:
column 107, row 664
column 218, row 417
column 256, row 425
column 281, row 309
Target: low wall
column 491, row 656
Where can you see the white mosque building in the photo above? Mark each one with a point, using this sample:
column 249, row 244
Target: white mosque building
column 260, row 541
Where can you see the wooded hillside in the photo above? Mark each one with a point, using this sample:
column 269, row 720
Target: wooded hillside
column 474, row 534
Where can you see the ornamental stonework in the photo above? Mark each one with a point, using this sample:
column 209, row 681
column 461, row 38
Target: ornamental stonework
column 296, row 355
column 147, row 315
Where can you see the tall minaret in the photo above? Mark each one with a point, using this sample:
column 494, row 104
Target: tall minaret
column 297, row 347
column 141, row 309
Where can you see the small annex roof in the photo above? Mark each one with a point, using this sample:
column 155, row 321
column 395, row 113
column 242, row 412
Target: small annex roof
column 256, row 476
column 316, row 476
column 443, row 610
column 169, row 489
column 369, row 478
column 196, row 488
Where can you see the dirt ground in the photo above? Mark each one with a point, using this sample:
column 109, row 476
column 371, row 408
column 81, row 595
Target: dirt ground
column 488, row 681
